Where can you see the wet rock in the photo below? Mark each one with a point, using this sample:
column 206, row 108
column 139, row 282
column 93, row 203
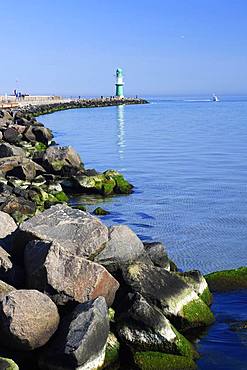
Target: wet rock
column 80, row 340
column 80, row 233
column 227, row 280
column 50, row 268
column 28, row 319
column 5, row 289
column 178, row 302
column 143, row 327
column 8, row 150
column 157, row 253
column 100, row 212
column 123, row 248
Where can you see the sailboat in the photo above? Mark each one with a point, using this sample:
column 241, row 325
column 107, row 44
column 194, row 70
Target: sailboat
column 215, row 98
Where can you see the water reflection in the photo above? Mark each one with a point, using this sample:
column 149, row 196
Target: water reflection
column 121, row 131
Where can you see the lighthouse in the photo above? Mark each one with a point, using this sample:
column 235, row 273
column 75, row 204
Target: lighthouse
column 119, row 83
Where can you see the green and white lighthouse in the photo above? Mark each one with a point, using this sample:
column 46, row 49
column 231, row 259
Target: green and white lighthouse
column 119, row 83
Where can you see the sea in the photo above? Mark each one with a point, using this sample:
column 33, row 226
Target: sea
column 187, row 160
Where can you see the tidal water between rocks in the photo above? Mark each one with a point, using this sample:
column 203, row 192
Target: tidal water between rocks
column 187, row 159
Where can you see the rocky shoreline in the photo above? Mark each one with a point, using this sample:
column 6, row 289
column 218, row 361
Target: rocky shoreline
column 74, row 293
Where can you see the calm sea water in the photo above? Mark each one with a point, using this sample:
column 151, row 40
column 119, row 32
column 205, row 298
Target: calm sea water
column 188, row 161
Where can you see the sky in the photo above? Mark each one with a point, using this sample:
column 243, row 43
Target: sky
column 165, row 47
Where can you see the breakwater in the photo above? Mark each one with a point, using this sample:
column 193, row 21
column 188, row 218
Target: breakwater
column 76, row 274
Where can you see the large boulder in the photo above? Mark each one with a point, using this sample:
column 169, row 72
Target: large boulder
column 143, row 327
column 8, row 150
column 22, row 168
column 11, row 135
column 50, row 268
column 28, row 319
column 7, row 228
column 80, row 340
column 62, row 161
column 177, row 300
column 122, row 248
column 80, row 233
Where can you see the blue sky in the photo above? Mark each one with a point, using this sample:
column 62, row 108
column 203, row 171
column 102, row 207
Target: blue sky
column 165, row 47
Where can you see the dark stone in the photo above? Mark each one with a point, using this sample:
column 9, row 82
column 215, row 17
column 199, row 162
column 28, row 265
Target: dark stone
column 157, row 253
column 11, row 135
column 100, row 212
column 8, row 150
column 80, row 339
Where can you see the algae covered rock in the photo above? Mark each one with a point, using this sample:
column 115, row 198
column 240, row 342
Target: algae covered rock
column 64, row 276
column 28, row 319
column 8, row 364
column 227, row 280
column 198, row 283
column 100, row 212
column 177, row 300
column 162, row 361
column 112, row 351
column 81, row 338
column 143, row 327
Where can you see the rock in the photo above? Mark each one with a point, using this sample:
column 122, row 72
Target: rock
column 22, row 168
column 29, row 134
column 100, row 212
column 1, row 135
column 157, row 253
column 198, row 283
column 11, row 135
column 28, row 319
column 227, row 280
column 5, row 289
column 18, row 208
column 51, row 268
column 5, row 262
column 178, row 302
column 162, row 361
column 7, row 228
column 123, row 248
column 42, row 134
column 62, row 161
column 8, row 150
column 143, row 327
column 80, row 340
column 107, row 183
column 80, row 233
column 8, row 364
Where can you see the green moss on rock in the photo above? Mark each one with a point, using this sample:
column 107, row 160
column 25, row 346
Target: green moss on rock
column 39, row 146
column 61, row 196
column 227, row 280
column 100, row 212
column 196, row 313
column 184, row 346
column 207, row 297
column 112, row 351
column 162, row 361
column 8, row 364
